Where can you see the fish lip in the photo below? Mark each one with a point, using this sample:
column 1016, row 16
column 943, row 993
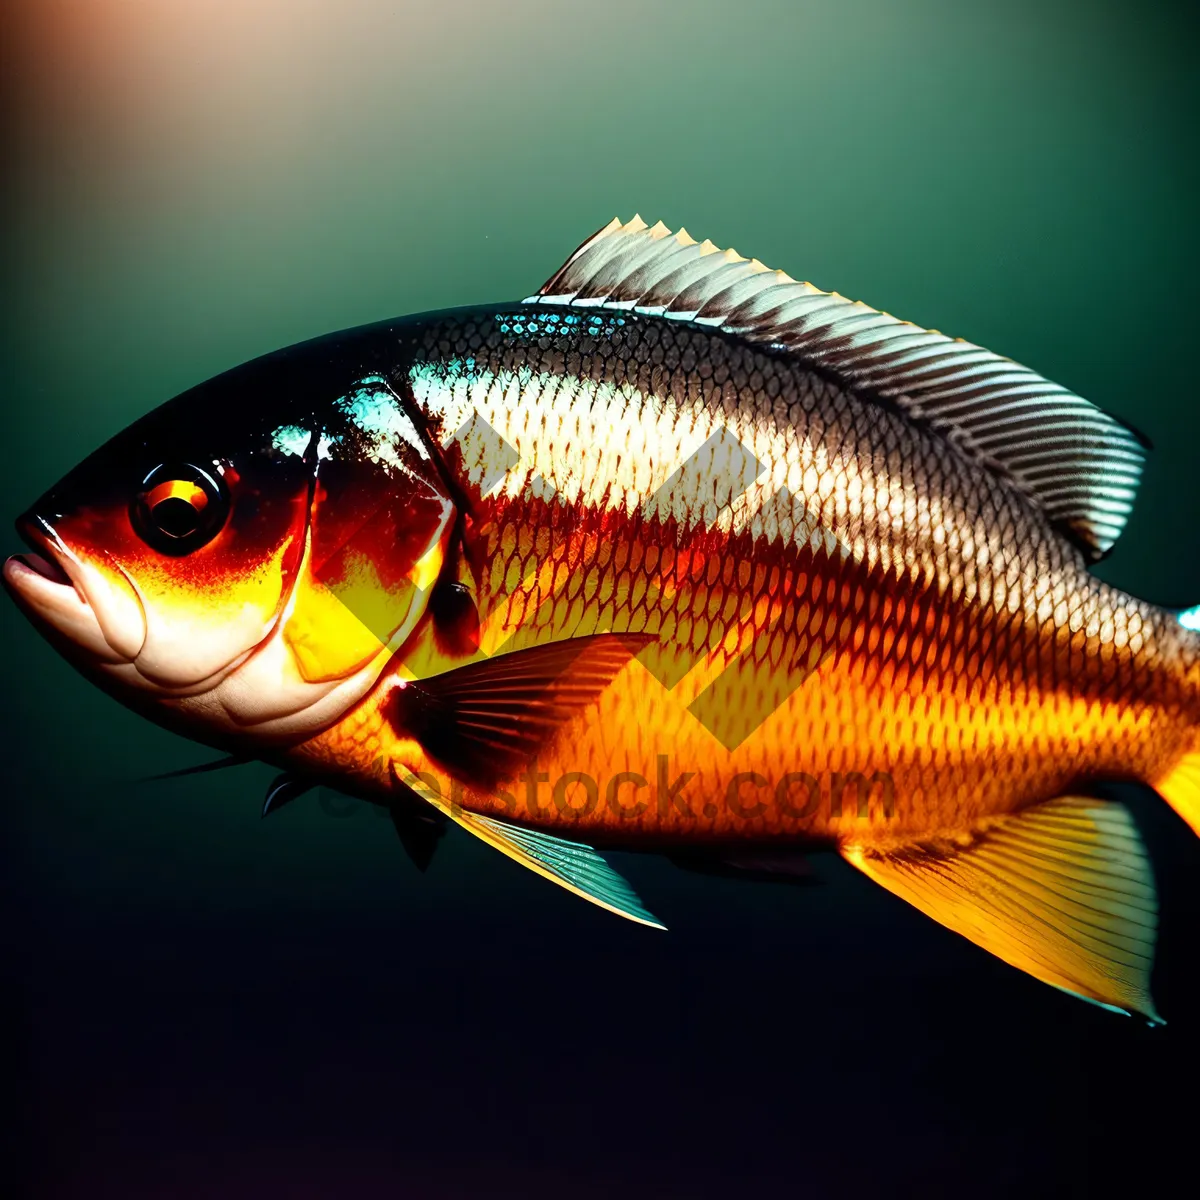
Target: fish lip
column 48, row 553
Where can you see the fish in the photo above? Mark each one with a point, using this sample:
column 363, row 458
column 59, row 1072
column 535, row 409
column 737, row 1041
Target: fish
column 677, row 555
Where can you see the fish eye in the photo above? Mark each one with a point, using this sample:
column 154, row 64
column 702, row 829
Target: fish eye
column 179, row 508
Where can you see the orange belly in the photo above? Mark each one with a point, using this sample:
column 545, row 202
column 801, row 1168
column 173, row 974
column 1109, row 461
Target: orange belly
column 843, row 758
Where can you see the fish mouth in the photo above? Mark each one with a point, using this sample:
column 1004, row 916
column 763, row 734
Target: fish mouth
column 46, row 568
column 43, row 585
column 43, row 556
column 44, row 559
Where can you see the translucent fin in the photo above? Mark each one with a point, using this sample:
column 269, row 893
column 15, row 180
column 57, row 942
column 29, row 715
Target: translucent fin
column 1080, row 465
column 1062, row 891
column 1180, row 788
column 571, row 865
column 487, row 719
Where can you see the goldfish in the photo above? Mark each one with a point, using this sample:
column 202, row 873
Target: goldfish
column 676, row 555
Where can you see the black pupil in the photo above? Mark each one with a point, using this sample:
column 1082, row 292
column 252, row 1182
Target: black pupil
column 176, row 517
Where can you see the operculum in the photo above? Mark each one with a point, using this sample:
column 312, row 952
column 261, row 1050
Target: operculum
column 365, row 588
column 370, row 564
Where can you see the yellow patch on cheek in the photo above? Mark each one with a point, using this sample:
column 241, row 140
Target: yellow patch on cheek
column 336, row 629
column 325, row 637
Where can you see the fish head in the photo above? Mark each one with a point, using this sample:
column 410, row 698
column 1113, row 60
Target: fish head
column 240, row 563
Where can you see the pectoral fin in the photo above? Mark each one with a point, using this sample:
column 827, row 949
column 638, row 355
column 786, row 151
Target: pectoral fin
column 571, row 865
column 486, row 720
column 1062, row 891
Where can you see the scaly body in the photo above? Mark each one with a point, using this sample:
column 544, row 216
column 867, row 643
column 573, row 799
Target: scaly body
column 680, row 555
column 944, row 644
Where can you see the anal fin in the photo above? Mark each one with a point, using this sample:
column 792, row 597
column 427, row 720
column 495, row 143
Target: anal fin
column 572, row 865
column 1062, row 891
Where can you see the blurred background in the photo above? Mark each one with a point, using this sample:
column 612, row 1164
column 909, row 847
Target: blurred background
column 199, row 1003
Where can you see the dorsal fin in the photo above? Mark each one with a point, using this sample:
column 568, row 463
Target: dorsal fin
column 1078, row 464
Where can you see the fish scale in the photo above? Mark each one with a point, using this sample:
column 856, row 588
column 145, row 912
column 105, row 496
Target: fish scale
column 899, row 528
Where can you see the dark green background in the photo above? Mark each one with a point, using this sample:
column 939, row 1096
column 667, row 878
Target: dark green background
column 201, row 999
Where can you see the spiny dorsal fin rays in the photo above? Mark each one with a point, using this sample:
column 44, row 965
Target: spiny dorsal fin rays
column 1081, row 466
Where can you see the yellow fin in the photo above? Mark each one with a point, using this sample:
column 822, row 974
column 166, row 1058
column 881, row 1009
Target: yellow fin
column 571, row 865
column 1180, row 788
column 1062, row 891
